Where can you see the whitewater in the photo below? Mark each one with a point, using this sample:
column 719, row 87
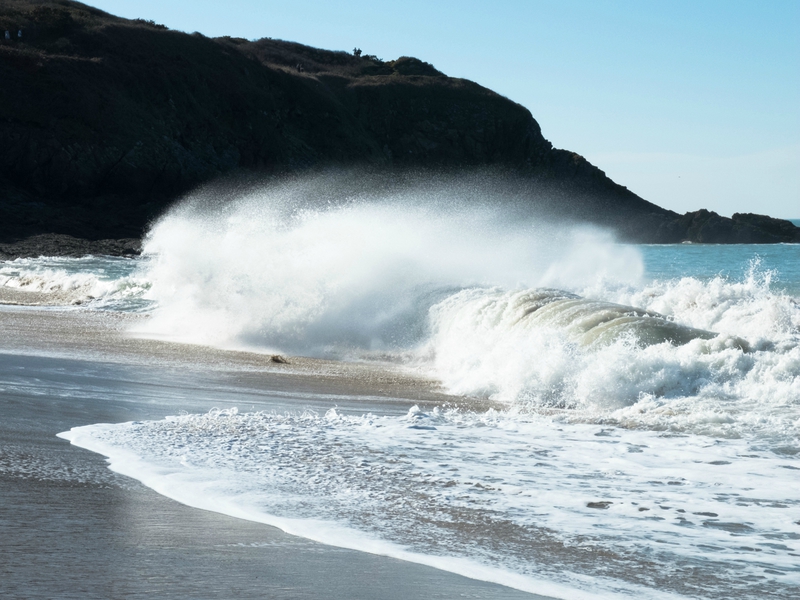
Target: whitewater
column 643, row 429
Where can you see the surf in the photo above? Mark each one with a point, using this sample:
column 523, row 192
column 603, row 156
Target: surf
column 651, row 415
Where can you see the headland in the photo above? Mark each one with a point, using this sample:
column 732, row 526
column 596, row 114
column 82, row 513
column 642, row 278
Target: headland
column 106, row 122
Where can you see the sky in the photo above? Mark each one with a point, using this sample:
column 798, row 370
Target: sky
column 690, row 104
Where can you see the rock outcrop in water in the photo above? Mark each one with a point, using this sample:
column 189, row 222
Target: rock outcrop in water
column 104, row 122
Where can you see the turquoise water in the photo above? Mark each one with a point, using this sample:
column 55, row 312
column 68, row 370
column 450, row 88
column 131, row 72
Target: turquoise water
column 732, row 262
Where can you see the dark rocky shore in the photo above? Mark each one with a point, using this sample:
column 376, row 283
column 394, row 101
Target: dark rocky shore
column 105, row 122
column 57, row 244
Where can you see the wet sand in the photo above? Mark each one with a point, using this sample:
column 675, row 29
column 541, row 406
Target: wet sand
column 71, row 528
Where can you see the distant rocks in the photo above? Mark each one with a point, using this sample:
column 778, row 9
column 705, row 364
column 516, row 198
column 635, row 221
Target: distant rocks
column 761, row 225
column 707, row 227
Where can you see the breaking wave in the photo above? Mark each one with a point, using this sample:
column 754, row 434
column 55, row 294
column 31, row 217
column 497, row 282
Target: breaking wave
column 645, row 431
column 98, row 282
column 516, row 309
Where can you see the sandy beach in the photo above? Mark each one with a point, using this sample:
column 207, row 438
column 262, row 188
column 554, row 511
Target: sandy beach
column 74, row 529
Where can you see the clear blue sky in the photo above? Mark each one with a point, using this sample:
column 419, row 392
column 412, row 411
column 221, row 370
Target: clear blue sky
column 691, row 104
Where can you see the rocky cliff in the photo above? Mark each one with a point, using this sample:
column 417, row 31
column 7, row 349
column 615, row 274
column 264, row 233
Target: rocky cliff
column 104, row 122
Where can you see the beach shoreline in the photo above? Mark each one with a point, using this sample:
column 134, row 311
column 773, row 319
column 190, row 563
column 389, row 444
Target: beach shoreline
column 76, row 529
column 628, row 469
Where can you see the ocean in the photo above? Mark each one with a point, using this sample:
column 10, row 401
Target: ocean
column 623, row 422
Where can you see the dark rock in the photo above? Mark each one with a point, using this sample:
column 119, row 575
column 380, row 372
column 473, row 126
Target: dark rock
column 778, row 229
column 707, row 227
column 65, row 245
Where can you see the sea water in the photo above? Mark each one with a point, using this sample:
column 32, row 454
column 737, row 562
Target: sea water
column 645, row 435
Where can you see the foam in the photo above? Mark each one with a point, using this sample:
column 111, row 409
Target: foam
column 485, row 342
column 750, row 307
column 508, row 497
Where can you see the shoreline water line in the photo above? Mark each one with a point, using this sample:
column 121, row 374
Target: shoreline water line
column 325, row 478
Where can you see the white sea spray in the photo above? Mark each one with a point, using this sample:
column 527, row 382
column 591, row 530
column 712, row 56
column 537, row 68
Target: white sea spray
column 515, row 309
column 346, row 280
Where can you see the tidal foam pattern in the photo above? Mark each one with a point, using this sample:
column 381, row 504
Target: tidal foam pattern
column 588, row 506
